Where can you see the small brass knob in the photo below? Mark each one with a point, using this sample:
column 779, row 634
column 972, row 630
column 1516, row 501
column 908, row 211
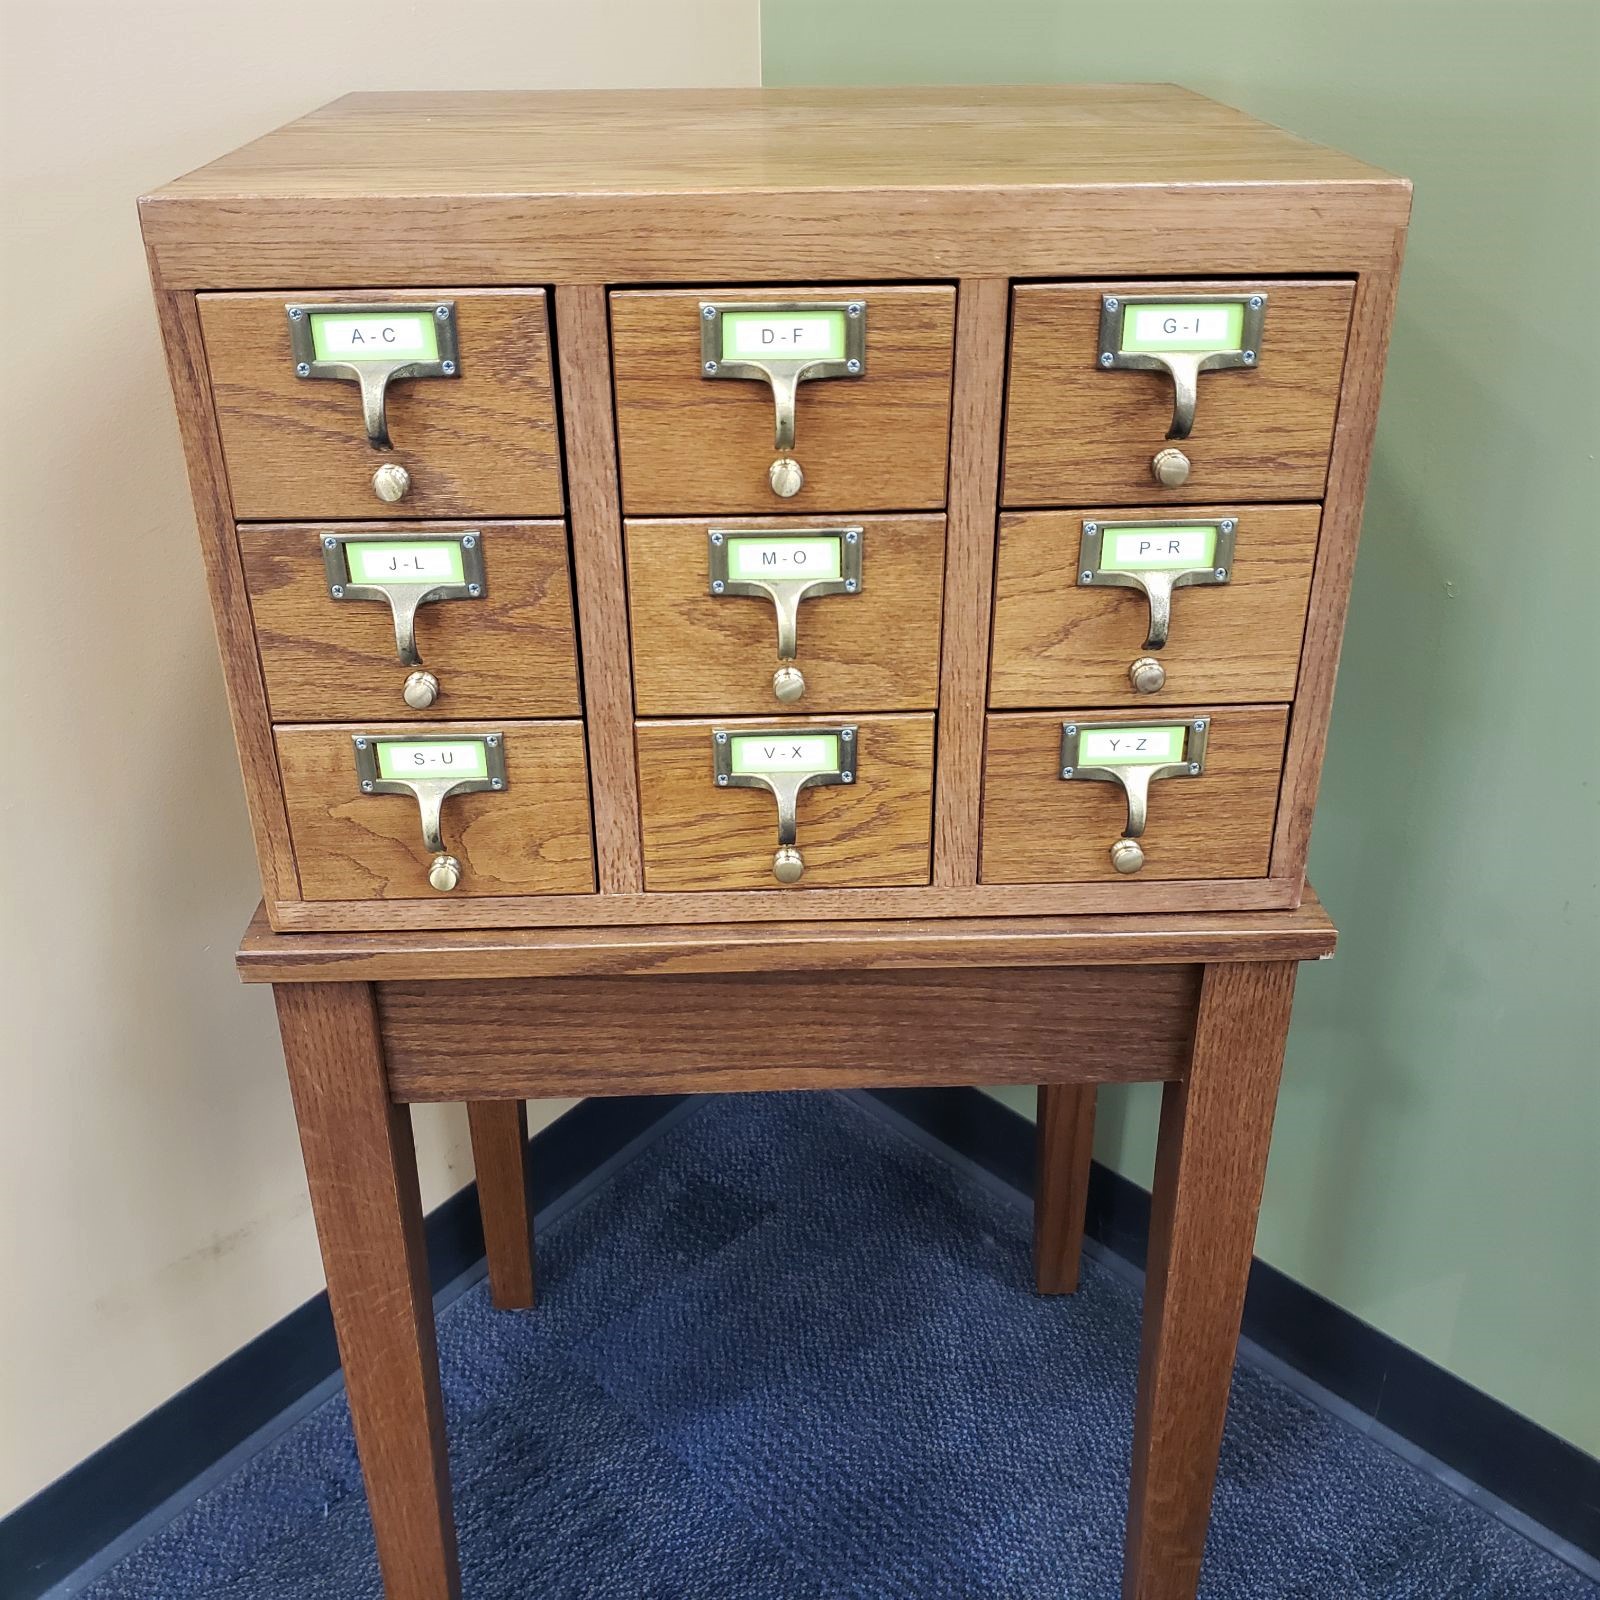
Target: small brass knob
column 786, row 477
column 1126, row 856
column 391, row 482
column 421, row 690
column 445, row 873
column 1147, row 675
column 787, row 865
column 788, row 683
column 1169, row 467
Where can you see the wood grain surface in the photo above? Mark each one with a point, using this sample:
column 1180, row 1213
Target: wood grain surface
column 1080, row 436
column 532, row 838
column 1063, row 1148
column 511, row 653
column 482, row 444
column 1303, row 934
column 1039, row 828
column 696, row 653
column 1211, row 1159
column 502, row 1160
column 874, row 831
column 692, row 445
column 776, row 1030
column 1059, row 644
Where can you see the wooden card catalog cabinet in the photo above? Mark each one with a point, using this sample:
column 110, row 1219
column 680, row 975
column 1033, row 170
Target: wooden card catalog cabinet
column 948, row 511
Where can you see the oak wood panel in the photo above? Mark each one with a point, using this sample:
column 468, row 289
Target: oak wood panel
column 874, row 831
column 1080, row 436
column 1303, row 934
column 589, row 434
column 1058, row 644
column 692, row 445
column 1211, row 1159
column 699, row 653
column 511, row 653
column 502, row 1160
column 482, row 444
column 778, row 184
column 361, row 1168
column 978, row 400
column 1336, row 556
column 783, row 1031
column 1063, row 1148
column 230, row 604
column 531, row 838
column 1038, row 827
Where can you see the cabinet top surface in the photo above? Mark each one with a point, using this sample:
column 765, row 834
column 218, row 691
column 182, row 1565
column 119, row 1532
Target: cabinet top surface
column 638, row 142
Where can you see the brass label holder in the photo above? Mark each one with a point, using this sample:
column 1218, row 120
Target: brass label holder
column 374, row 346
column 430, row 767
column 1133, row 756
column 1156, row 558
column 1182, row 335
column 786, row 567
column 785, row 761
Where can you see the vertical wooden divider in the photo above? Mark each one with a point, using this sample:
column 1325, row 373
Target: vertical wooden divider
column 976, row 408
column 594, row 506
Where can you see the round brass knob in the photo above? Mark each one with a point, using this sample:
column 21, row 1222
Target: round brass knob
column 445, row 873
column 787, row 865
column 421, row 690
column 1126, row 856
column 1147, row 675
column 788, row 683
column 391, row 482
column 786, row 477
column 1169, row 467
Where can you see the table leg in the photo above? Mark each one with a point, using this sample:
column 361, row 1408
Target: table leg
column 1211, row 1158
column 1063, row 1144
column 361, row 1167
column 500, row 1152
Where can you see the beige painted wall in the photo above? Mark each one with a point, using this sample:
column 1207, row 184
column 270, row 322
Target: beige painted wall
column 155, row 1215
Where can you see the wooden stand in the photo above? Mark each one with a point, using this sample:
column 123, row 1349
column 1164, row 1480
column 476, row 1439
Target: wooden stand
column 373, row 1022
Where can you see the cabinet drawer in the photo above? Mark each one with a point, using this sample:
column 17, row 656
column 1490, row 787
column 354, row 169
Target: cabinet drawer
column 481, row 443
column 1041, row 828
column 533, row 837
column 692, row 444
column 696, row 651
column 1079, row 433
column 508, row 651
column 875, row 830
column 1061, row 641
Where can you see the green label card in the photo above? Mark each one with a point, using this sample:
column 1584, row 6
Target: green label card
column 1183, row 327
column 1157, row 548
column 785, row 752
column 406, row 336
column 459, row 758
column 777, row 557
column 799, row 335
column 1130, row 747
column 391, row 561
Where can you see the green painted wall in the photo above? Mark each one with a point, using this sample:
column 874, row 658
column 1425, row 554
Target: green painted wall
column 1438, row 1141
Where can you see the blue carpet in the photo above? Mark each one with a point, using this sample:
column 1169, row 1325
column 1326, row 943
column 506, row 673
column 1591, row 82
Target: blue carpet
column 787, row 1354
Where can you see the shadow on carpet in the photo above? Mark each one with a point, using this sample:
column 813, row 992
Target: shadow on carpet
column 786, row 1353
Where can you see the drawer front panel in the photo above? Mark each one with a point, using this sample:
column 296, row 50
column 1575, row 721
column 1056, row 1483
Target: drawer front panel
column 1040, row 828
column 1059, row 642
column 535, row 837
column 482, row 443
column 700, row 653
column 874, row 831
column 692, row 444
column 1078, row 434
column 510, row 652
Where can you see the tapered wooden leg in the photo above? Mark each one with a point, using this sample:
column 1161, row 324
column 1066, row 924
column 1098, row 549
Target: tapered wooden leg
column 1063, row 1145
column 505, row 1197
column 361, row 1166
column 1211, row 1157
